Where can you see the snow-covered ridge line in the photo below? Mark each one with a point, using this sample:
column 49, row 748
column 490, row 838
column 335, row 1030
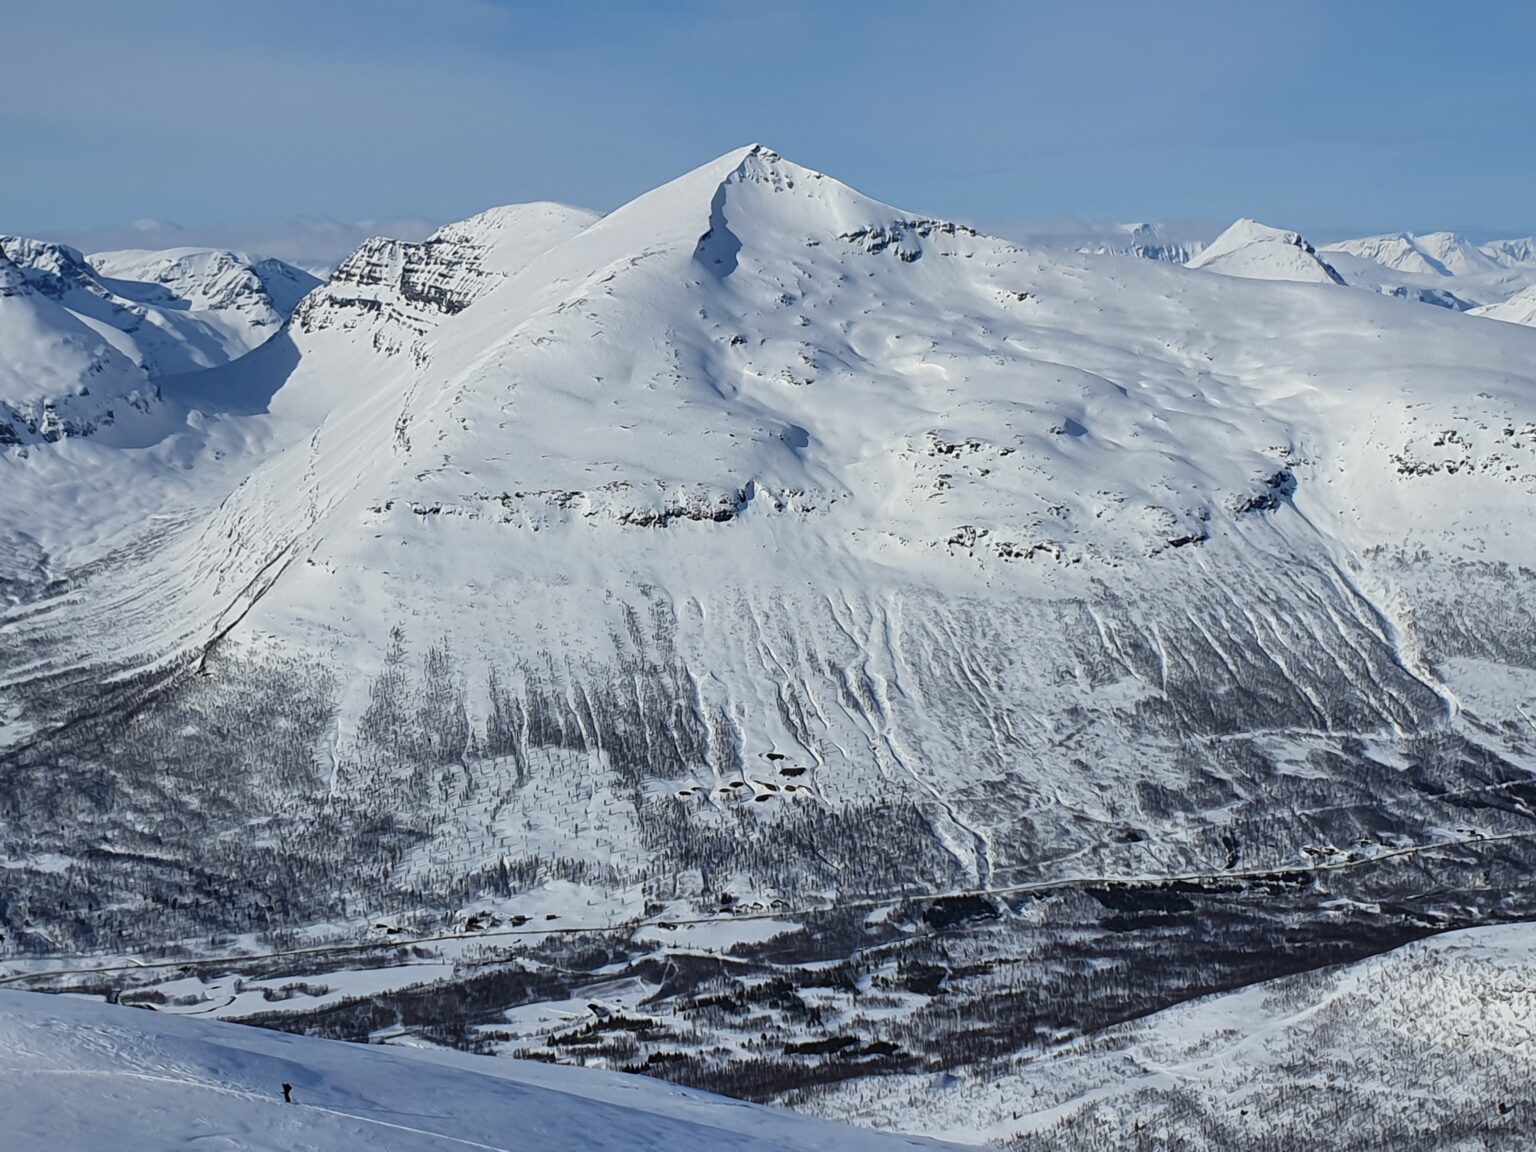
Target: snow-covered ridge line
column 398, row 290
column 1441, row 269
column 1259, row 252
column 86, row 340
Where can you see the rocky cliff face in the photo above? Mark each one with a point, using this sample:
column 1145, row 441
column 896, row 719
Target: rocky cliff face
column 395, row 291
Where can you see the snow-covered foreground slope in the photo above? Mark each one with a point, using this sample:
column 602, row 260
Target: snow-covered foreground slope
column 89, row 1077
column 1430, row 1046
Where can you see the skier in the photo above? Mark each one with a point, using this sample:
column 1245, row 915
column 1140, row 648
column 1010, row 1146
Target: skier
column 287, row 1093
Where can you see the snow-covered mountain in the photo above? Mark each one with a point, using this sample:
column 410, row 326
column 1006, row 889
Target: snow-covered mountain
column 1512, row 252
column 1258, row 252
column 60, row 374
column 769, row 430
column 91, row 1077
column 1432, row 255
column 763, row 572
column 258, row 293
column 1435, row 253
column 1518, row 309
column 1440, row 268
column 1144, row 241
column 84, row 340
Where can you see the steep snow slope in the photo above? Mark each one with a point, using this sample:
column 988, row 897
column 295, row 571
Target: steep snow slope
column 90, row 1077
column 1258, row 252
column 757, row 343
column 758, row 506
column 1370, row 1055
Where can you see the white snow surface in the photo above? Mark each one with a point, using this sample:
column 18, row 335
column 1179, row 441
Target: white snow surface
column 1258, row 252
column 82, row 340
column 1518, row 309
column 83, row 1076
column 757, row 390
column 1441, row 268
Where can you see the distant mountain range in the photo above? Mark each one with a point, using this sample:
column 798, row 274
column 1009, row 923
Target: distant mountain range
column 1439, row 268
column 84, row 337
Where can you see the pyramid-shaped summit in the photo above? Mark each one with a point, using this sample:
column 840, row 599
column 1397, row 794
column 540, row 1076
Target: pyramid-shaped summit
column 751, row 195
column 1256, row 251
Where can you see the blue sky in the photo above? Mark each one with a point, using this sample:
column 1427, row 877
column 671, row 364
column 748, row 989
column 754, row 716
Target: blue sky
column 1340, row 117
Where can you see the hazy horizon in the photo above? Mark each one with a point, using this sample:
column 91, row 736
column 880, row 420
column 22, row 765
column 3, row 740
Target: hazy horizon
column 1333, row 120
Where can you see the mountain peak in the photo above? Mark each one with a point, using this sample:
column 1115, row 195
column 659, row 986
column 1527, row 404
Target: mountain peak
column 1258, row 251
column 1431, row 253
column 44, row 266
column 751, row 196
